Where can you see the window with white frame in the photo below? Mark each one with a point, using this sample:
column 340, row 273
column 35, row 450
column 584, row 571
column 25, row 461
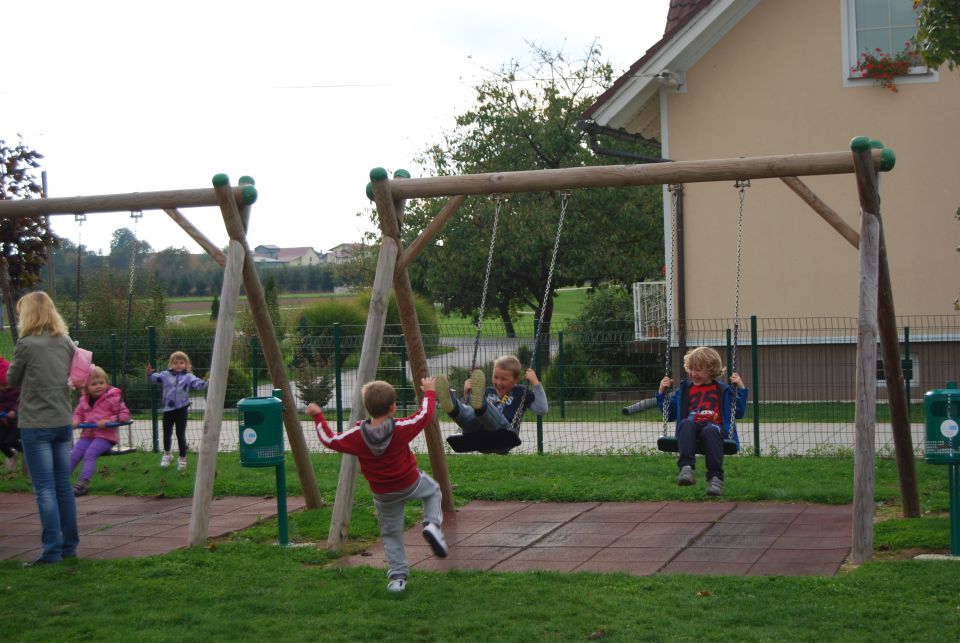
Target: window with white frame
column 884, row 25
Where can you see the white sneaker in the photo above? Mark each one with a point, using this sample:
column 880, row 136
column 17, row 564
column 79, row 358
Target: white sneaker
column 182, row 463
column 12, row 463
column 434, row 538
column 397, row 584
column 165, row 460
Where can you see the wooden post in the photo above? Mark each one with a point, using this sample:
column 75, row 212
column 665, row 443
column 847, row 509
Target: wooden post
column 896, row 391
column 757, row 167
column 829, row 214
column 431, row 231
column 216, row 394
column 411, row 334
column 197, row 236
column 890, row 345
column 366, row 371
column 866, row 389
column 268, row 338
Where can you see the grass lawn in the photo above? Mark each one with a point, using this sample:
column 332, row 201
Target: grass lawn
column 245, row 588
column 566, row 306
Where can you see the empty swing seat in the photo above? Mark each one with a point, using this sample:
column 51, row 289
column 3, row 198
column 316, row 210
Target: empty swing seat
column 499, row 441
column 668, row 444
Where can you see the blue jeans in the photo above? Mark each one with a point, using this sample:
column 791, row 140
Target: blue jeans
column 47, row 453
column 492, row 419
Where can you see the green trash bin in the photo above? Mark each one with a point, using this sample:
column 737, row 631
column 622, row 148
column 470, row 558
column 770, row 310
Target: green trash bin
column 261, row 431
column 941, row 412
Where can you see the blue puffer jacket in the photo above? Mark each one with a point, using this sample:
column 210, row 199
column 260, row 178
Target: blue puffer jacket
column 176, row 387
column 679, row 402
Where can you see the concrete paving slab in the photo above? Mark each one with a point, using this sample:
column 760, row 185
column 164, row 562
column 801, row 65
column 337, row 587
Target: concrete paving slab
column 640, row 538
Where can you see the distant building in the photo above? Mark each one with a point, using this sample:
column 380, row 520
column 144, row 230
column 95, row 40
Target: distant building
column 299, row 256
column 343, row 252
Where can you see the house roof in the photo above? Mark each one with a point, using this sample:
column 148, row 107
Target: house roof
column 289, row 254
column 693, row 27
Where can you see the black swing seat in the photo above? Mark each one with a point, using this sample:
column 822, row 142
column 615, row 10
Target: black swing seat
column 668, row 444
column 499, row 441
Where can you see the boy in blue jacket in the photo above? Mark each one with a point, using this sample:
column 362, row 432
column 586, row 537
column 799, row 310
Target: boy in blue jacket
column 703, row 406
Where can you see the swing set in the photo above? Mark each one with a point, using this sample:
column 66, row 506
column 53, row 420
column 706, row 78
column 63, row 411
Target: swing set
column 865, row 159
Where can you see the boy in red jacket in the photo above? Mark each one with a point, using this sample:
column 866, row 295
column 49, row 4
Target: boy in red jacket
column 382, row 446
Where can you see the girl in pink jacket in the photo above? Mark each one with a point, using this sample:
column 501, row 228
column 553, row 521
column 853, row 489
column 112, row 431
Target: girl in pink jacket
column 100, row 404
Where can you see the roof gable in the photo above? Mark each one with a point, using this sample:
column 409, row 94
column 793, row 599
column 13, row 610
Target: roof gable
column 696, row 26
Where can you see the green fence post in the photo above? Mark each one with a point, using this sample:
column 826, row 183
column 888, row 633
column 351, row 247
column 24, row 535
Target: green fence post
column 152, row 357
column 729, row 335
column 755, row 384
column 338, row 389
column 563, row 413
column 113, row 357
column 403, row 378
column 536, row 369
column 907, row 367
column 254, row 382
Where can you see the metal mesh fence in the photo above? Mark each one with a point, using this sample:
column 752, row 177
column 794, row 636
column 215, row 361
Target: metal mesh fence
column 800, row 372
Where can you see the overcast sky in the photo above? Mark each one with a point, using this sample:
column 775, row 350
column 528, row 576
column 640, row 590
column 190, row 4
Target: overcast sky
column 306, row 97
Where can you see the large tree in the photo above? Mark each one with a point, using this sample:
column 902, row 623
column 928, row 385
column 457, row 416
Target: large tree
column 23, row 240
column 938, row 31
column 527, row 118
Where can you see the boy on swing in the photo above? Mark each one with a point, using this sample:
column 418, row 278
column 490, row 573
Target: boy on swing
column 702, row 408
column 493, row 408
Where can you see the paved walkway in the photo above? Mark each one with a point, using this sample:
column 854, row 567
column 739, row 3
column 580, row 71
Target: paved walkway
column 634, row 537
column 637, row 537
column 126, row 527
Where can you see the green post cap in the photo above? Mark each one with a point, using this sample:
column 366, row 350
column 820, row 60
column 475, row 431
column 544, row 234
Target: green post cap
column 401, row 174
column 875, row 144
column 887, row 159
column 246, row 180
column 378, row 174
column 220, row 180
column 370, row 191
column 860, row 144
column 249, row 194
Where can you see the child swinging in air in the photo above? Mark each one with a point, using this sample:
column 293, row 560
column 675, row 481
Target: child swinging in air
column 703, row 407
column 177, row 382
column 492, row 408
column 100, row 404
column 382, row 447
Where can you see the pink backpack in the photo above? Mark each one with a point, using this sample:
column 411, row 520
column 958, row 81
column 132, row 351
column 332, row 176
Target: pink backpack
column 81, row 367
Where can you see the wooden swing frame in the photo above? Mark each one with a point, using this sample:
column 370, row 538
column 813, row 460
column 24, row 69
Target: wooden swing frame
column 234, row 204
column 864, row 160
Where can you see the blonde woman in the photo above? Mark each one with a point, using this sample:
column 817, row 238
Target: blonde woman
column 41, row 363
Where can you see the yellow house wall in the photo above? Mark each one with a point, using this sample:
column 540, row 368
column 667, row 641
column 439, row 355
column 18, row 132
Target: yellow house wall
column 774, row 85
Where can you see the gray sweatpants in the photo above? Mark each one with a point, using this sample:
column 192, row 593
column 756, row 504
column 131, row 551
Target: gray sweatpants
column 390, row 517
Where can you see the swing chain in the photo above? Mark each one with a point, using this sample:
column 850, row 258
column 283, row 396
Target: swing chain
column 564, row 202
column 676, row 190
column 741, row 185
column 498, row 204
column 136, row 215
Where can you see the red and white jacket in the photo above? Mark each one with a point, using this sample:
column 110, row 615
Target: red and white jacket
column 109, row 407
column 384, row 453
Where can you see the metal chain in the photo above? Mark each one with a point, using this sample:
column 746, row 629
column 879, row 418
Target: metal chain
column 741, row 185
column 498, row 201
column 564, row 201
column 79, row 218
column 676, row 190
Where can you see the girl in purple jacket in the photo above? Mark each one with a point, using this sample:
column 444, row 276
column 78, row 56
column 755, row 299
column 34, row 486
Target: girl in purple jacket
column 177, row 382
column 100, row 404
